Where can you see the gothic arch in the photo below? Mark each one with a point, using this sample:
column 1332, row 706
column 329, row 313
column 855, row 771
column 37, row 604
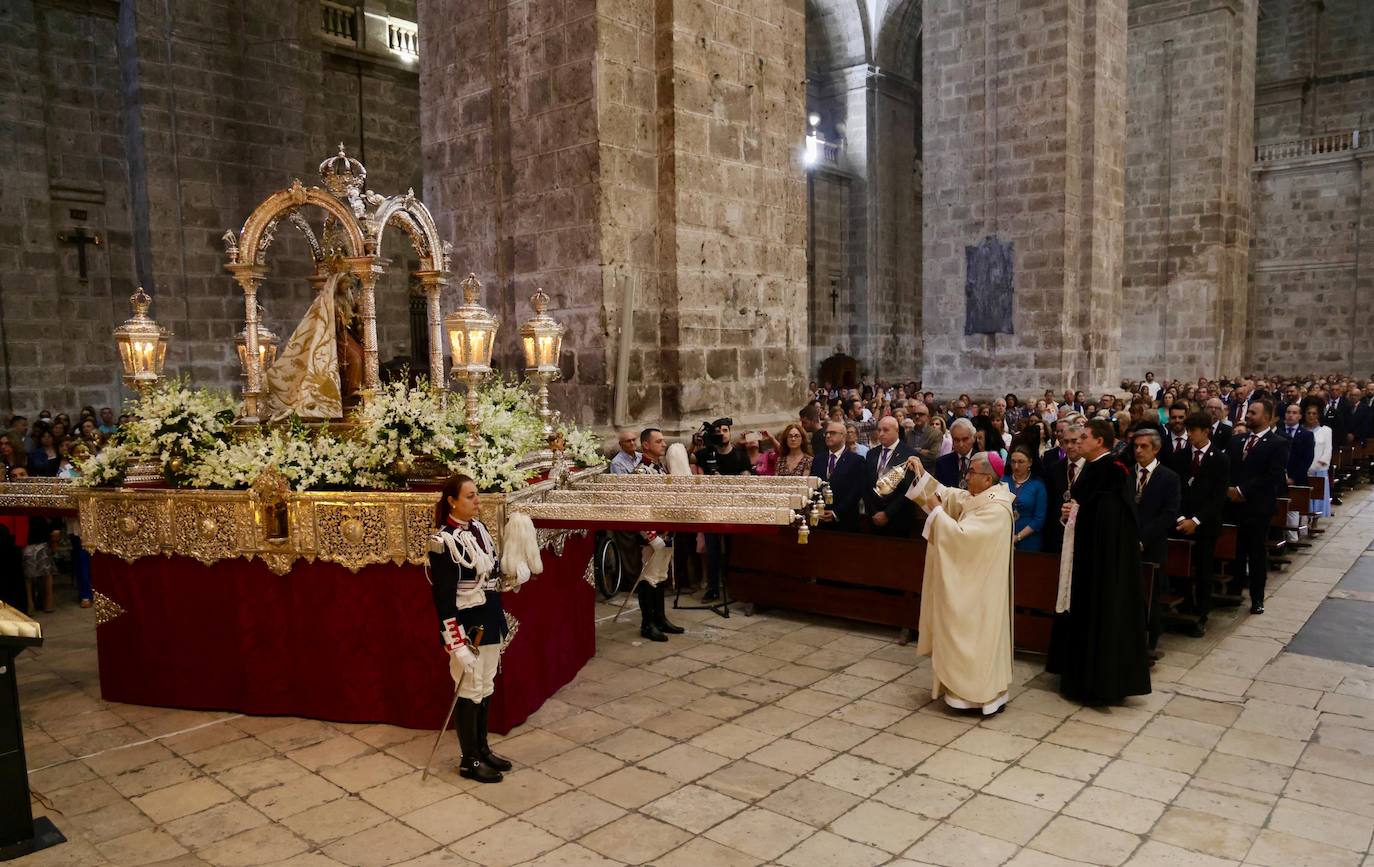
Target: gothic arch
column 837, row 35
column 899, row 33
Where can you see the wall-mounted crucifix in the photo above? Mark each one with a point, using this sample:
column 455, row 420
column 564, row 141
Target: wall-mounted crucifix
column 834, row 295
column 81, row 239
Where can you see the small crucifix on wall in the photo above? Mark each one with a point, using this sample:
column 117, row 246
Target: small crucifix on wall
column 81, row 239
column 834, row 295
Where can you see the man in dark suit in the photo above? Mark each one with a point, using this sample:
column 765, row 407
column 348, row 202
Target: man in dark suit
column 1221, row 428
column 1176, row 437
column 1157, row 496
column 1205, row 471
column 893, row 515
column 844, row 470
column 1361, row 417
column 951, row 469
column 1302, row 445
column 1240, row 401
column 1259, row 465
column 1335, row 415
column 1059, row 479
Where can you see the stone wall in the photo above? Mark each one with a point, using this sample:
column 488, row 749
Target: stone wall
column 635, row 155
column 1015, row 146
column 1189, row 144
column 1312, row 268
column 1313, row 69
column 1307, row 315
column 830, row 310
column 159, row 126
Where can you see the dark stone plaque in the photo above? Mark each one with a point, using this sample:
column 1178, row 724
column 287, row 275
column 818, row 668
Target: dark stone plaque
column 989, row 287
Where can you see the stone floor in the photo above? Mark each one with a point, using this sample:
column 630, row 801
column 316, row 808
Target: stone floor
column 769, row 739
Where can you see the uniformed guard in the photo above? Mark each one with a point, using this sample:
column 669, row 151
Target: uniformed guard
column 648, row 554
column 466, row 580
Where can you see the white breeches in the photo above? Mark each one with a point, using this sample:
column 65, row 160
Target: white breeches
column 657, row 564
column 479, row 683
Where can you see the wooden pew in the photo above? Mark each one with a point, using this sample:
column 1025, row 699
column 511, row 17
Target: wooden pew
column 875, row 580
column 1278, row 540
column 1299, row 502
column 1224, row 562
column 1320, row 491
column 1178, row 567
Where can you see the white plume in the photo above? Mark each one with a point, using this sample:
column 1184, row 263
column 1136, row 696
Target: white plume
column 521, row 555
column 676, row 460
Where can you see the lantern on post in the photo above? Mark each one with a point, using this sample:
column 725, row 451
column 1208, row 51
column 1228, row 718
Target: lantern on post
column 142, row 346
column 471, row 335
column 267, row 348
column 542, row 339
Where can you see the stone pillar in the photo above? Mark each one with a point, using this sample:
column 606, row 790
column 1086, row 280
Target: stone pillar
column 1189, row 149
column 878, row 315
column 894, row 310
column 1361, row 347
column 641, row 161
column 1020, row 144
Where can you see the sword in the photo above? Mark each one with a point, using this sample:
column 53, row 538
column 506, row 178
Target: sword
column 448, row 717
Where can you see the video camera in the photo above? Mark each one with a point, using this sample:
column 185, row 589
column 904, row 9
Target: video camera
column 712, row 439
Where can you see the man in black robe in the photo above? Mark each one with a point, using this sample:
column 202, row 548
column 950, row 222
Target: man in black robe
column 1098, row 647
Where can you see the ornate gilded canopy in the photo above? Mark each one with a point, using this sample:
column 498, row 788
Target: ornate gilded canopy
column 355, row 222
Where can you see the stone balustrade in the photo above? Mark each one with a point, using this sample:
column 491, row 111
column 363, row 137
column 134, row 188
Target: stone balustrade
column 1329, row 143
column 382, row 36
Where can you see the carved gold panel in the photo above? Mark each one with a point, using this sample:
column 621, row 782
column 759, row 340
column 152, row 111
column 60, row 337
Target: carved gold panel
column 353, row 535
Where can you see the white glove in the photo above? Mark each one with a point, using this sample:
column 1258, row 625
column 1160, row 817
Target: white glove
column 657, row 543
column 460, row 661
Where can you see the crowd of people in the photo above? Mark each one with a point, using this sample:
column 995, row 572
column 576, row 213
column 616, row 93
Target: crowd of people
column 35, row 550
column 1201, row 455
column 52, row 445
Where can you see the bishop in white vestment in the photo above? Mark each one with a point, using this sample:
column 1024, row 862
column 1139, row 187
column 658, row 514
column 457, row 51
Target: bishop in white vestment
column 965, row 625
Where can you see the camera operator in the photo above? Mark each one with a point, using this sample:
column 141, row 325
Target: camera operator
column 719, row 457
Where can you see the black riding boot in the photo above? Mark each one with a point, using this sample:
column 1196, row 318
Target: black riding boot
column 661, row 610
column 471, row 765
column 500, row 763
column 648, row 616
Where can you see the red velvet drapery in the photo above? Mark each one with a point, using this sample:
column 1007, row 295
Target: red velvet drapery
column 324, row 642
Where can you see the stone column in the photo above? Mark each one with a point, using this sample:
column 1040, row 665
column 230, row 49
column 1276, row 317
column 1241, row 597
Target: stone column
column 641, row 161
column 1361, row 347
column 1189, row 149
column 1020, row 144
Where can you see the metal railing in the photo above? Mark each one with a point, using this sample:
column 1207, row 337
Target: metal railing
column 1330, row 143
column 339, row 22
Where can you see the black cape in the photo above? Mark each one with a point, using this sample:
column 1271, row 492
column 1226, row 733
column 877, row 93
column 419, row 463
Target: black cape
column 1098, row 647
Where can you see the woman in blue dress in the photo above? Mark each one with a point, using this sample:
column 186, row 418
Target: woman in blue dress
column 1031, row 499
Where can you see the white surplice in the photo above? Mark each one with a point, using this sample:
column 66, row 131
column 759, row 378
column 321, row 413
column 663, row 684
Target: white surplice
column 965, row 625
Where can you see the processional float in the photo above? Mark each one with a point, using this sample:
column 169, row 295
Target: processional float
column 154, row 538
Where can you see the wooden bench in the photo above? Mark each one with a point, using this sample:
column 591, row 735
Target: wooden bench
column 1299, row 504
column 1320, row 491
column 875, row 580
column 1178, row 565
column 1224, row 566
column 1277, row 543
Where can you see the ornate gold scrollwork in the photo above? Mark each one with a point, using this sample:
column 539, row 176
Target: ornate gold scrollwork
column 206, row 529
column 106, row 609
column 353, row 535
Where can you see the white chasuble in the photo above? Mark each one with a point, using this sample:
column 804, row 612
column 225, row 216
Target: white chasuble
column 304, row 381
column 965, row 625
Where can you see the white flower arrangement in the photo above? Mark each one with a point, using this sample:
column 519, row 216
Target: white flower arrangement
column 187, row 432
column 105, row 467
